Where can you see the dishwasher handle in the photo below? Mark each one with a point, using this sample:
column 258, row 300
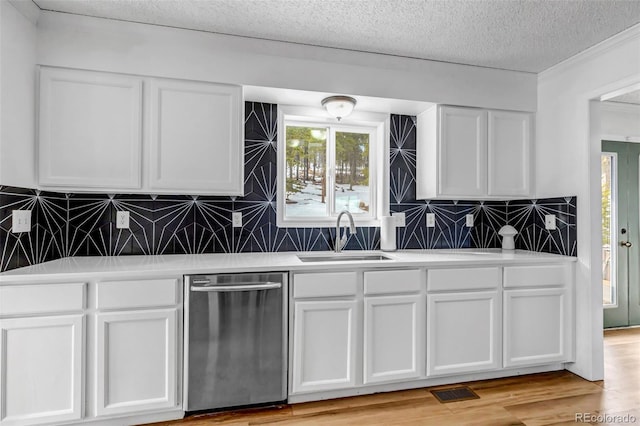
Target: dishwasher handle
column 246, row 286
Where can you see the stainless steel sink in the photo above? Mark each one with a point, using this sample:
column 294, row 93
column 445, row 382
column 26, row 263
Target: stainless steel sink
column 341, row 257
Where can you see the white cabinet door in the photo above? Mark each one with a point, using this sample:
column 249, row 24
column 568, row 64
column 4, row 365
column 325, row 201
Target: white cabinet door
column 536, row 326
column 41, row 366
column 393, row 338
column 324, row 345
column 90, row 132
column 196, row 137
column 136, row 361
column 462, row 143
column 464, row 332
column 509, row 154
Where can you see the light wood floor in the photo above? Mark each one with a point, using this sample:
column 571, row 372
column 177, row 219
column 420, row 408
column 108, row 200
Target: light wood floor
column 537, row 399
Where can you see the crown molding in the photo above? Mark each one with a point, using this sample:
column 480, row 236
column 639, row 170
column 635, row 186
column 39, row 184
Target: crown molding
column 629, row 35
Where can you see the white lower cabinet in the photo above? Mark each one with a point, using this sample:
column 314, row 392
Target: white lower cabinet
column 538, row 314
column 464, row 333
column 352, row 329
column 537, row 326
column 136, row 361
column 41, row 361
column 393, row 338
column 324, row 345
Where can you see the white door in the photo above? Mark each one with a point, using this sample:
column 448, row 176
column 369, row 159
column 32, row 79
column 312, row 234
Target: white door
column 509, row 153
column 90, row 132
column 196, row 137
column 464, row 332
column 462, row 143
column 324, row 345
column 393, row 338
column 536, row 326
column 41, row 366
column 136, row 361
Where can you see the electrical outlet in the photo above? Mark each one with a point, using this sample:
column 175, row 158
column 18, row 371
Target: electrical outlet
column 550, row 222
column 431, row 220
column 236, row 219
column 20, row 221
column 122, row 219
column 400, row 219
column 469, row 220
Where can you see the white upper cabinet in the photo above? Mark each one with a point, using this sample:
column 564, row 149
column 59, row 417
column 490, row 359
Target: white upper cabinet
column 462, row 166
column 471, row 153
column 509, row 151
column 90, row 133
column 195, row 131
column 95, row 127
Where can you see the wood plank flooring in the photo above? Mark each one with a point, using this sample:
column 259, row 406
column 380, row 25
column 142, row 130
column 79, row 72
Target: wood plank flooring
column 537, row 399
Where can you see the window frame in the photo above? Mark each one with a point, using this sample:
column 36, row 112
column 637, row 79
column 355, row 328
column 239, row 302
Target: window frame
column 376, row 124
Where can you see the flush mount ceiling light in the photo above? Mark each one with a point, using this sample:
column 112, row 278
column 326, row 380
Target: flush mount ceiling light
column 339, row 106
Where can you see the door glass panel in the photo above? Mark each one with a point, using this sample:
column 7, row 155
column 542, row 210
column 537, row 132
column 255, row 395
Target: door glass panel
column 352, row 189
column 609, row 288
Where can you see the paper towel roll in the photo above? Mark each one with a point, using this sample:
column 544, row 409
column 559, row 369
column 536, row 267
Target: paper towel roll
column 388, row 233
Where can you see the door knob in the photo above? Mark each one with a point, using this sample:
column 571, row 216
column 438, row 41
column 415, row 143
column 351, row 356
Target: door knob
column 626, row 243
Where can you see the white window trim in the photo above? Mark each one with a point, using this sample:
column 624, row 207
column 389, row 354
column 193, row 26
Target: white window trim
column 379, row 172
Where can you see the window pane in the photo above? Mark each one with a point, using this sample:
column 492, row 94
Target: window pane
column 306, row 151
column 352, row 190
column 608, row 221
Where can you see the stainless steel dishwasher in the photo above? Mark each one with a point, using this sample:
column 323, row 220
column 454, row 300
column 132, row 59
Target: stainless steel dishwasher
column 235, row 330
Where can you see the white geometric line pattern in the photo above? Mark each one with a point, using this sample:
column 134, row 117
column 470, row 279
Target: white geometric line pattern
column 84, row 224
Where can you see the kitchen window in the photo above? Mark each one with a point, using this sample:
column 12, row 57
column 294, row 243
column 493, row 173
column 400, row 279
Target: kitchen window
column 326, row 166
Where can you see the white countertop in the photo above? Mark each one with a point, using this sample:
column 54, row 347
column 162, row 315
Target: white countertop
column 123, row 267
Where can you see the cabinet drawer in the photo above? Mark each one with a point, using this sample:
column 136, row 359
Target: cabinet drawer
column 328, row 284
column 41, row 298
column 536, row 276
column 389, row 282
column 136, row 294
column 462, row 279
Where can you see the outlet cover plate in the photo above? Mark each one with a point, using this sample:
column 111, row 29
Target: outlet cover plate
column 400, row 219
column 236, row 219
column 550, row 222
column 122, row 219
column 20, row 221
column 431, row 220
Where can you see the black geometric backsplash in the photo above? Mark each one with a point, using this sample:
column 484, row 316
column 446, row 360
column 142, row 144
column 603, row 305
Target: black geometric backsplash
column 84, row 224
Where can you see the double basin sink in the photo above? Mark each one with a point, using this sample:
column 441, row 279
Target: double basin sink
column 341, row 257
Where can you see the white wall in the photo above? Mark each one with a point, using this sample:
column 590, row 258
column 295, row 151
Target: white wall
column 620, row 121
column 108, row 45
column 17, row 96
column 568, row 163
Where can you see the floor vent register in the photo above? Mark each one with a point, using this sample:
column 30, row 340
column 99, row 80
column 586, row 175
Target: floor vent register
column 459, row 393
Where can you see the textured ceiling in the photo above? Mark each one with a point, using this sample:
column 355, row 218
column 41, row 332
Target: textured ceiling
column 523, row 35
column 627, row 98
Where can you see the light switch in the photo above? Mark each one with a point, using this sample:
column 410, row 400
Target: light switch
column 431, row 220
column 122, row 219
column 400, row 219
column 20, row 221
column 550, row 222
column 236, row 219
column 469, row 220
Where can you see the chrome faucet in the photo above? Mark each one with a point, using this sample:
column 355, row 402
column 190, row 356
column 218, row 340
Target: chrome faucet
column 341, row 241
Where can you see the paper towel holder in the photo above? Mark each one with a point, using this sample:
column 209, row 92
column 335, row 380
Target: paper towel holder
column 388, row 233
column 507, row 233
